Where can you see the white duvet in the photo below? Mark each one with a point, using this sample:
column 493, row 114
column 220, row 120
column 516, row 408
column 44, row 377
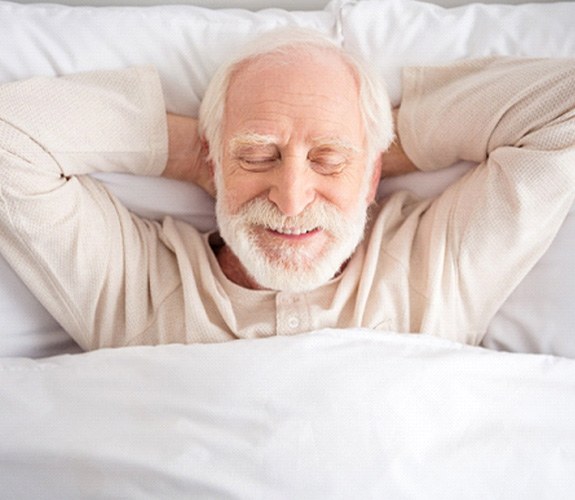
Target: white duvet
column 336, row 414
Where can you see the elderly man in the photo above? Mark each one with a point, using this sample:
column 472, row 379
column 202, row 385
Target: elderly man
column 295, row 133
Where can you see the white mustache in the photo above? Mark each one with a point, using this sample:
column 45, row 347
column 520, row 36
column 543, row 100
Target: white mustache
column 320, row 215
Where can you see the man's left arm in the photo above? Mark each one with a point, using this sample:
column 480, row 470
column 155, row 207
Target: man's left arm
column 516, row 118
column 394, row 161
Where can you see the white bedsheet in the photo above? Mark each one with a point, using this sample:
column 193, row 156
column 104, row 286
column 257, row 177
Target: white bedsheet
column 332, row 414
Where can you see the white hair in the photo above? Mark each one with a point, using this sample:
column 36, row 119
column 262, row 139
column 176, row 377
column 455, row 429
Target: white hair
column 374, row 102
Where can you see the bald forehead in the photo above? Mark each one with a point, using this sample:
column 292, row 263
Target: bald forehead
column 313, row 87
column 309, row 63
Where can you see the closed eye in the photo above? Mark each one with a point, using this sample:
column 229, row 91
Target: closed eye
column 258, row 163
column 257, row 157
column 331, row 163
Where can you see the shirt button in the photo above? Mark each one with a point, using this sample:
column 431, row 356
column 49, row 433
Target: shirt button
column 293, row 322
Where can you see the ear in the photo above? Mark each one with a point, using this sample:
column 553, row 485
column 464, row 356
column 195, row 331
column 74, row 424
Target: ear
column 205, row 152
column 208, row 182
column 374, row 181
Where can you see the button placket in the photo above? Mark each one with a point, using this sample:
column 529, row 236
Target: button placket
column 291, row 313
column 293, row 322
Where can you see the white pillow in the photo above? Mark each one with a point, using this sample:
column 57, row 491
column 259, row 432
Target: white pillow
column 390, row 34
column 185, row 43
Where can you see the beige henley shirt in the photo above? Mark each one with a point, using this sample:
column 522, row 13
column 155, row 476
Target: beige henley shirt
column 441, row 266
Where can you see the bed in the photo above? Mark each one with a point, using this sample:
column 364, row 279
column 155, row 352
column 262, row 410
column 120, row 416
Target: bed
column 346, row 413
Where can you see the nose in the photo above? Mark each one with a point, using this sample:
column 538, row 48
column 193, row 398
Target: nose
column 293, row 187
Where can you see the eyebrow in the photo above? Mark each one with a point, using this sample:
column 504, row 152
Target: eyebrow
column 252, row 139
column 336, row 142
column 255, row 139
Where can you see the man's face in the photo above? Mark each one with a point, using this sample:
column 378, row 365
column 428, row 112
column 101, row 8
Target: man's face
column 292, row 188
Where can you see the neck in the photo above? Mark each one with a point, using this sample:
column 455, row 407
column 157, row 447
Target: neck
column 234, row 270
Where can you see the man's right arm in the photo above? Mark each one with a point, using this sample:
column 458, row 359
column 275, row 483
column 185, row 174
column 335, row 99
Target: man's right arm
column 88, row 122
column 187, row 153
column 83, row 254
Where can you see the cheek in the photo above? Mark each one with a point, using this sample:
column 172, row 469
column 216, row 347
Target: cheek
column 239, row 189
column 345, row 192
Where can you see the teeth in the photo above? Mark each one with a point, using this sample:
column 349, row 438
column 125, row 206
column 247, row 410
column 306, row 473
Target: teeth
column 293, row 231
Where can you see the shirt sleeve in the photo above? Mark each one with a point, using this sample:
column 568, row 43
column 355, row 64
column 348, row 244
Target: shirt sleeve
column 516, row 118
column 103, row 121
column 61, row 231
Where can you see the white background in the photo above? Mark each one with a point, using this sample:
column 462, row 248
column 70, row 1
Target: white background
column 250, row 4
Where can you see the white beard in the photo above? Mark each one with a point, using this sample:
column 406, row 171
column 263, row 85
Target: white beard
column 285, row 265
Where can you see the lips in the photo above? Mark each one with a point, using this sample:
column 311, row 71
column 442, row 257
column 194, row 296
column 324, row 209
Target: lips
column 293, row 231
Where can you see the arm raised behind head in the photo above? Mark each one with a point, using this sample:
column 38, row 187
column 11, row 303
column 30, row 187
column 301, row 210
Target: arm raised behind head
column 187, row 153
column 394, row 161
column 84, row 255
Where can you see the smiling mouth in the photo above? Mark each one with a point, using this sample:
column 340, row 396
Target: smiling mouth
column 293, row 232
